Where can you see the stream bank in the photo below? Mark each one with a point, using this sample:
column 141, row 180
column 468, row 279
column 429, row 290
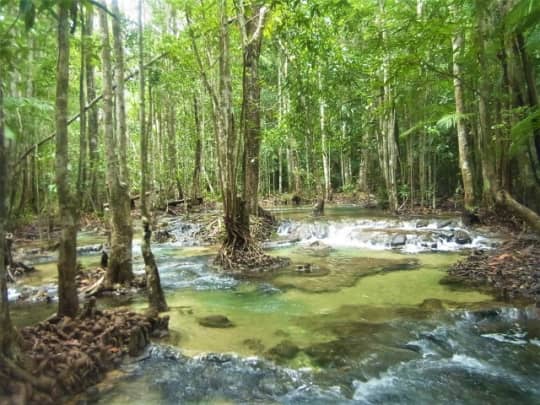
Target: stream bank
column 69, row 355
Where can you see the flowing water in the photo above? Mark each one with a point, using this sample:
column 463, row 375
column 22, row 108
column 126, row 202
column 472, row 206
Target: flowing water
column 356, row 318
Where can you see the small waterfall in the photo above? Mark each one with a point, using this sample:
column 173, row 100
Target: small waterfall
column 410, row 236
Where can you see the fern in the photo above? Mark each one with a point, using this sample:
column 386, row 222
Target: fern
column 449, row 121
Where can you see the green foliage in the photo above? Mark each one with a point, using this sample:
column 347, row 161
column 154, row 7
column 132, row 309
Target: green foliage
column 523, row 16
column 449, row 121
column 522, row 131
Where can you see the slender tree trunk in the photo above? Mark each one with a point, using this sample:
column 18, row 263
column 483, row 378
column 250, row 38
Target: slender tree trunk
column 92, row 124
column 156, row 298
column 120, row 104
column 464, row 163
column 388, row 123
column 81, row 176
column 196, row 184
column 327, row 189
column 68, row 303
column 120, row 263
column 7, row 332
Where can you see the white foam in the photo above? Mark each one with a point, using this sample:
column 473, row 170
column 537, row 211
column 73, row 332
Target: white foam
column 363, row 389
column 13, row 294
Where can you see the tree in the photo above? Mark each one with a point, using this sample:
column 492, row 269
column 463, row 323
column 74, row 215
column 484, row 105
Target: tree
column 251, row 20
column 7, row 332
column 464, row 153
column 68, row 302
column 120, row 262
column 156, row 297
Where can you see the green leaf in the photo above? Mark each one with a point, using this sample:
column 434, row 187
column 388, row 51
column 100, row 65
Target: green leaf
column 449, row 121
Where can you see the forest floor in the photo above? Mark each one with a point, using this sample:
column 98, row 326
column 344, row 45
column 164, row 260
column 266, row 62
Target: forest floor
column 511, row 270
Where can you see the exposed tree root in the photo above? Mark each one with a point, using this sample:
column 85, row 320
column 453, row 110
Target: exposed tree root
column 248, row 259
column 65, row 355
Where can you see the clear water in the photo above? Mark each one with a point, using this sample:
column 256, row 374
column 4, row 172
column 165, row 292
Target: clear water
column 368, row 326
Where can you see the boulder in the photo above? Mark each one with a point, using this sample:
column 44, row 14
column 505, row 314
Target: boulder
column 215, row 321
column 461, row 237
column 398, row 240
column 422, row 223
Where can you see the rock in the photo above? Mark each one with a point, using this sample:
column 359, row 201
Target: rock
column 303, row 268
column 422, row 223
column 398, row 240
column 86, row 250
column 163, row 235
column 469, row 218
column 444, row 223
column 284, row 350
column 316, row 248
column 462, row 237
column 215, row 321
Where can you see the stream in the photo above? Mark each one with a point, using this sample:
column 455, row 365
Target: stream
column 360, row 316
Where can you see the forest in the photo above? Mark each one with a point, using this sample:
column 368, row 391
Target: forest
column 298, row 150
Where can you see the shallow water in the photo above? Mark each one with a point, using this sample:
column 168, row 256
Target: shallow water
column 367, row 325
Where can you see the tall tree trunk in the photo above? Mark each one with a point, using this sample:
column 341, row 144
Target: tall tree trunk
column 172, row 166
column 327, row 186
column 196, row 184
column 92, row 124
column 120, row 104
column 120, row 262
column 388, row 122
column 156, row 298
column 68, row 302
column 464, row 163
column 251, row 27
column 81, row 175
column 7, row 333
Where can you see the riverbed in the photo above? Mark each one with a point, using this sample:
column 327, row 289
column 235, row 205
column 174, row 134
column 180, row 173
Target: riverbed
column 360, row 316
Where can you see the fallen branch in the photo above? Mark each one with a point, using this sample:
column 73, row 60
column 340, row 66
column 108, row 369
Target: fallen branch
column 94, row 288
column 86, row 108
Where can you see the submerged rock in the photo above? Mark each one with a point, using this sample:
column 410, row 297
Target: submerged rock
column 215, row 321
